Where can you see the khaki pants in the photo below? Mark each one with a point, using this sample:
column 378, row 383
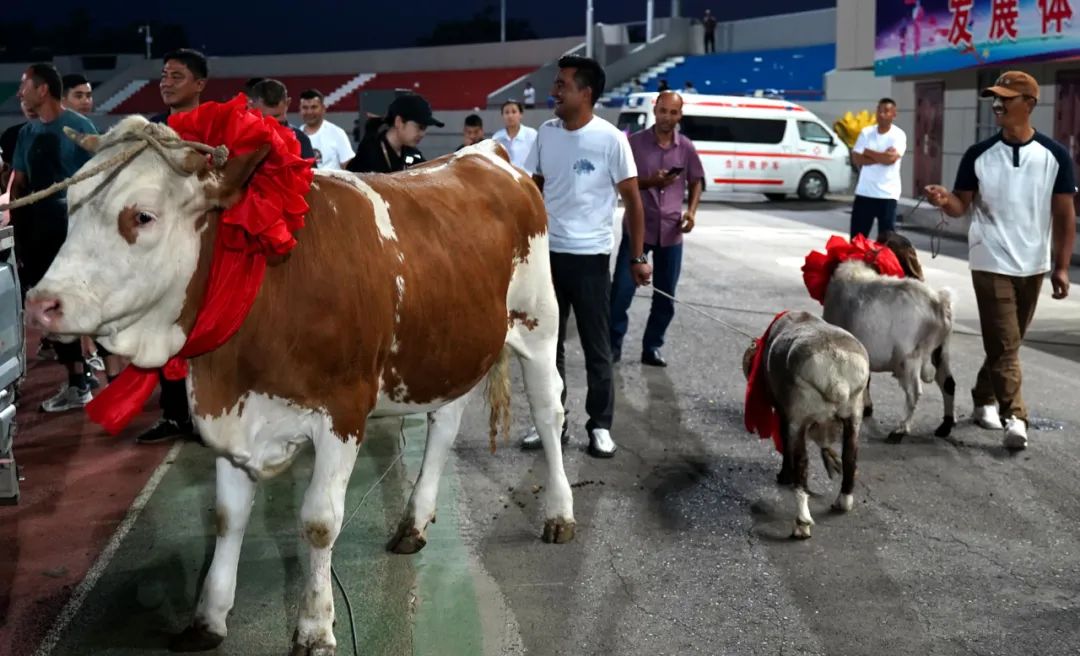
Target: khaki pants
column 1006, row 307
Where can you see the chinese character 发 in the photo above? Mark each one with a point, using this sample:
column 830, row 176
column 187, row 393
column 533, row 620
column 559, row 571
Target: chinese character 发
column 958, row 33
column 1054, row 11
column 1003, row 20
column 753, row 166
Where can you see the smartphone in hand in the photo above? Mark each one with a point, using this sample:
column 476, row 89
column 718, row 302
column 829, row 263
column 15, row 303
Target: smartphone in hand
column 674, row 171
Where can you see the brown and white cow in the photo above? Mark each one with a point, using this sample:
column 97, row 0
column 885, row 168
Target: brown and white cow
column 401, row 296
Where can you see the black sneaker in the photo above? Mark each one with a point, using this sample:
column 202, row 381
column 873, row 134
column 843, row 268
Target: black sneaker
column 165, row 430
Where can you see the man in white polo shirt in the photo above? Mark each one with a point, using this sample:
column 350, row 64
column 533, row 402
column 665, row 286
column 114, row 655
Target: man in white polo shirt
column 582, row 164
column 1019, row 187
column 878, row 151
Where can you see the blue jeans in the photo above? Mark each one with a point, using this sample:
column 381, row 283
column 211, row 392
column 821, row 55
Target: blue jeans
column 667, row 264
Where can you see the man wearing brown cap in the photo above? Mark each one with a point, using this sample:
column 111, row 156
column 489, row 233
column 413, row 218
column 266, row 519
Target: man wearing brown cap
column 1018, row 187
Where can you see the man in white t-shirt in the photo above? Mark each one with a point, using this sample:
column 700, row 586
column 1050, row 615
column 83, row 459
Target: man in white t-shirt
column 878, row 151
column 331, row 144
column 582, row 164
column 1018, row 187
column 529, row 96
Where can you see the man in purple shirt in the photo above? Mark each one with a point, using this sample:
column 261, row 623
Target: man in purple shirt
column 667, row 164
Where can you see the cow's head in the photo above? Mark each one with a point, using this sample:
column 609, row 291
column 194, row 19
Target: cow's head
column 135, row 235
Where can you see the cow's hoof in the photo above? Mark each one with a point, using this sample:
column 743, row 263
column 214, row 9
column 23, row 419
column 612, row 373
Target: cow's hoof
column 558, row 531
column 896, row 437
column 843, row 503
column 313, row 650
column 945, row 429
column 408, row 539
column 196, row 637
column 802, row 531
column 785, row 477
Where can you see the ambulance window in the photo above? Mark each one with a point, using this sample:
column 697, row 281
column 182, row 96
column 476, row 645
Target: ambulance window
column 733, row 130
column 631, row 122
column 810, row 131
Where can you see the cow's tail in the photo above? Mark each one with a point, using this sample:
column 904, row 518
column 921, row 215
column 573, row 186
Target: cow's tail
column 498, row 397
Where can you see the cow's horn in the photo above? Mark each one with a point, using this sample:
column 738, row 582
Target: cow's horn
column 88, row 142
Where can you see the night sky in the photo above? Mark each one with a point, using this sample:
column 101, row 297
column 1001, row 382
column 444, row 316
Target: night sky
column 323, row 25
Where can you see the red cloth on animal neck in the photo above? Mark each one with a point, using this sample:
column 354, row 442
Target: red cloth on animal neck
column 262, row 223
column 759, row 410
column 819, row 267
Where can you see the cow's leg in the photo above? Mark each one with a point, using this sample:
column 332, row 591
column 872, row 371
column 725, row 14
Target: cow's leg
column 908, row 376
column 800, row 463
column 868, row 404
column 320, row 521
column 787, row 468
column 943, row 378
column 543, row 386
column 235, row 494
column 443, row 426
column 845, row 501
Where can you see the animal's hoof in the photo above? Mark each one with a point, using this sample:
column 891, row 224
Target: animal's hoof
column 408, row 539
column 802, row 531
column 313, row 650
column 896, row 437
column 832, row 462
column 868, row 411
column 945, row 429
column 785, row 477
column 558, row 531
column 196, row 637
column 843, row 503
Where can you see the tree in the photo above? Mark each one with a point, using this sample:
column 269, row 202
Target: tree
column 483, row 27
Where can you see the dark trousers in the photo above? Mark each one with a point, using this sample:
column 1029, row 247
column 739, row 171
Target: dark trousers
column 710, row 42
column 173, row 400
column 865, row 210
column 1006, row 307
column 667, row 265
column 583, row 284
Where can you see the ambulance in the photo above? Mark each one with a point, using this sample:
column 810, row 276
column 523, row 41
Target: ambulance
column 761, row 145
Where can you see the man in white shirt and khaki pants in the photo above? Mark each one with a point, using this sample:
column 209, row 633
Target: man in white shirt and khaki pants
column 878, row 151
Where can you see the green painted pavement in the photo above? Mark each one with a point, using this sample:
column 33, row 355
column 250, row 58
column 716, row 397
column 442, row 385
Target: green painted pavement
column 423, row 604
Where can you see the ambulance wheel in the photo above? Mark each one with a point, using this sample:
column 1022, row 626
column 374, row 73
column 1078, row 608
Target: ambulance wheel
column 813, row 186
column 776, row 197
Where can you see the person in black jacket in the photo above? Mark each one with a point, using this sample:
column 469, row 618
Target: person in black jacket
column 392, row 146
column 271, row 97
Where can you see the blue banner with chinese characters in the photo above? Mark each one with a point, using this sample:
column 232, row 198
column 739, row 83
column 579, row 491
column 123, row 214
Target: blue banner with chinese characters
column 914, row 37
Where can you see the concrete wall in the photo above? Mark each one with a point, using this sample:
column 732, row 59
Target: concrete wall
column 807, row 28
column 855, row 34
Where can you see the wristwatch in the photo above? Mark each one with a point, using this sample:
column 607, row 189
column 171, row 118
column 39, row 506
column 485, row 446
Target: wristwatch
column 640, row 259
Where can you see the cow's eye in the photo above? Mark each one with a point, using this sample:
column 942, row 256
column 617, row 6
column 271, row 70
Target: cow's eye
column 145, row 218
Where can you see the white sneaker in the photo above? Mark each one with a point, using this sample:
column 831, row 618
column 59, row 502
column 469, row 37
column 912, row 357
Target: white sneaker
column 986, row 416
column 600, row 443
column 1015, row 433
column 95, row 362
column 68, row 398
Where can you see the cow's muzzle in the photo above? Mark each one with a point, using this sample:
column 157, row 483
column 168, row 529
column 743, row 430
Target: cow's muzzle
column 44, row 313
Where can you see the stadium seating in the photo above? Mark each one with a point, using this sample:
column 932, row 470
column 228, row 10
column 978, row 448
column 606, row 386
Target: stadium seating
column 792, row 73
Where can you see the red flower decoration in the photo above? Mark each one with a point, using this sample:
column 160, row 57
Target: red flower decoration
column 759, row 409
column 262, row 223
column 819, row 267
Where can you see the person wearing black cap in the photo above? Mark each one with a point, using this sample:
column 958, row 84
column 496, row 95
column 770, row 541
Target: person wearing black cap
column 392, row 147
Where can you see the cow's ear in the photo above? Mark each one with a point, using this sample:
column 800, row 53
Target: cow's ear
column 88, row 142
column 235, row 175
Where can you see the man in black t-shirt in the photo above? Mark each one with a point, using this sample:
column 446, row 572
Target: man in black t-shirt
column 271, row 97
